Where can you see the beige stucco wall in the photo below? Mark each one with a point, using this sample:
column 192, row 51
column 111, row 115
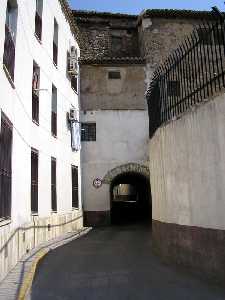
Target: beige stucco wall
column 187, row 168
column 99, row 92
column 121, row 138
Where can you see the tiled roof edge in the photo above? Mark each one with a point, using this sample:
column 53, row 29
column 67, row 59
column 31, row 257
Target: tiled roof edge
column 87, row 13
column 175, row 13
column 114, row 60
column 70, row 18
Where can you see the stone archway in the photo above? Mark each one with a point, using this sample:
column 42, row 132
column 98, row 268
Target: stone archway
column 127, row 168
column 126, row 207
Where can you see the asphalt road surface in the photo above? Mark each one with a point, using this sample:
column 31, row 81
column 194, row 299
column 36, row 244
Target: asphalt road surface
column 115, row 263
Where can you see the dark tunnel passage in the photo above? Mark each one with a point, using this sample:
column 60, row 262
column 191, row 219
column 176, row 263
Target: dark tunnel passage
column 130, row 199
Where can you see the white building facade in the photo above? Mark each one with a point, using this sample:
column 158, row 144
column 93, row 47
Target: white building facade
column 40, row 194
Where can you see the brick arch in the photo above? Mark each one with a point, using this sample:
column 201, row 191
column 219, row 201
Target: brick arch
column 127, row 168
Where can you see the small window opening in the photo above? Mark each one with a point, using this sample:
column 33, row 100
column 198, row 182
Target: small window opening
column 114, row 75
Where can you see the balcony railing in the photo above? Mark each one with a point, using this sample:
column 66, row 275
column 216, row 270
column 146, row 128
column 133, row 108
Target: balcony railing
column 9, row 53
column 38, row 26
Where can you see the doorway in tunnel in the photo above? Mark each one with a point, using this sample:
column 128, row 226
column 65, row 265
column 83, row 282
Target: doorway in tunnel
column 130, row 199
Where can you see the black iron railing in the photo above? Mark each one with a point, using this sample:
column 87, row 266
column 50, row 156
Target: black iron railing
column 38, row 26
column 9, row 52
column 193, row 72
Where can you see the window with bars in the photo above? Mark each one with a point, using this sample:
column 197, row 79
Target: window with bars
column 6, row 136
column 54, row 111
column 209, row 36
column 34, row 181
column 55, row 43
column 10, row 39
column 35, row 93
column 74, row 84
column 88, row 132
column 38, row 19
column 205, row 36
column 75, row 198
column 173, row 88
column 114, row 75
column 53, row 185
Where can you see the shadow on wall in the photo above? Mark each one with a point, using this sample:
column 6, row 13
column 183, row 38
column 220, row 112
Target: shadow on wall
column 32, row 233
column 130, row 196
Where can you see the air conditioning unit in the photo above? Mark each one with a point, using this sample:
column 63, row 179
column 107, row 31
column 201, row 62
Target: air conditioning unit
column 73, row 114
column 73, row 62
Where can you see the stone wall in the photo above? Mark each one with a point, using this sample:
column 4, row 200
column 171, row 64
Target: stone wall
column 187, row 175
column 107, row 35
column 158, row 37
column 14, row 243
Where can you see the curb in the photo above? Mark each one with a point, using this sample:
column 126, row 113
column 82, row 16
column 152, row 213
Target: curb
column 29, row 276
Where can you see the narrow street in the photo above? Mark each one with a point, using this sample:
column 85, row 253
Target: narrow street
column 115, row 263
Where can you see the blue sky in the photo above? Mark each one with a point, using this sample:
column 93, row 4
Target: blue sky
column 136, row 6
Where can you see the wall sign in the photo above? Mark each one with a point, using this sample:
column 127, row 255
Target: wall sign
column 97, row 183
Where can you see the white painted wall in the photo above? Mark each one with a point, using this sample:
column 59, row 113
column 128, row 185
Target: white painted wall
column 121, row 137
column 17, row 105
column 187, row 168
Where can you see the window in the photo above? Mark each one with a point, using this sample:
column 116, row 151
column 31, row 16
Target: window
column 74, row 83
column 34, row 181
column 88, row 132
column 55, row 43
column 53, row 184
column 6, row 135
column 38, row 19
column 72, row 67
column 54, row 111
column 219, row 36
column 208, row 35
column 114, row 75
column 35, row 93
column 75, row 199
column 173, row 88
column 205, row 36
column 10, row 39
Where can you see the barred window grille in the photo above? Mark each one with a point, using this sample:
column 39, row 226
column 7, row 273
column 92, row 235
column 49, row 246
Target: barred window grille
column 38, row 19
column 74, row 83
column 88, row 132
column 35, row 93
column 114, row 75
column 10, row 38
column 75, row 198
column 54, row 111
column 55, row 43
column 53, row 185
column 6, row 136
column 34, row 181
